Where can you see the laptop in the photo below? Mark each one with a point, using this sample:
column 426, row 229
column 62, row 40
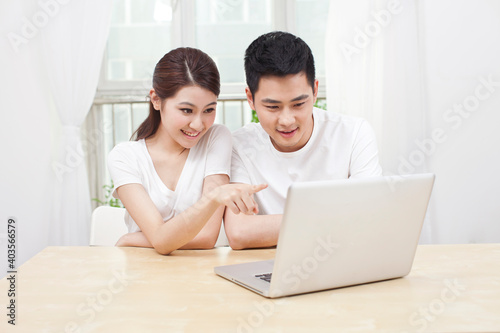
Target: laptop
column 341, row 233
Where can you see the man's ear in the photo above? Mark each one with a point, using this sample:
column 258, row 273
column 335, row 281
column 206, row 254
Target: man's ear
column 249, row 98
column 315, row 91
column 155, row 99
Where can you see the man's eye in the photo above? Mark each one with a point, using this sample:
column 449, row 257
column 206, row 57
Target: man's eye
column 273, row 107
column 298, row 105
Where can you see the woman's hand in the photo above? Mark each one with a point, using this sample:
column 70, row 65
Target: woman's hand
column 237, row 197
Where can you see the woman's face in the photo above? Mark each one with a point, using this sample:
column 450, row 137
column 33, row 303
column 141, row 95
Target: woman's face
column 188, row 115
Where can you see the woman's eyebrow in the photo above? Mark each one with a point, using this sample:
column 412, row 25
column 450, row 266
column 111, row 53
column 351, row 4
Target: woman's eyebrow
column 192, row 105
column 187, row 103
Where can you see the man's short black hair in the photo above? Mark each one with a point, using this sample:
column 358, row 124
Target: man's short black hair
column 277, row 53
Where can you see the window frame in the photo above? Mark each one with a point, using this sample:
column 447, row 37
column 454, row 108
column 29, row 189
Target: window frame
column 183, row 34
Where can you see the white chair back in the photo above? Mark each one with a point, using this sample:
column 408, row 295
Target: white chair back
column 107, row 226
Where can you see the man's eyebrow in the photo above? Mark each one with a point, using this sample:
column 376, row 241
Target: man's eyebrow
column 269, row 100
column 273, row 101
column 299, row 98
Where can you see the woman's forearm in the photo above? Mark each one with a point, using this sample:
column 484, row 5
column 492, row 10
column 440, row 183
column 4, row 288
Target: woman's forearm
column 183, row 228
column 137, row 239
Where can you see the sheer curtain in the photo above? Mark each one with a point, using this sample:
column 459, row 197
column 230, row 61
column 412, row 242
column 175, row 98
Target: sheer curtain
column 50, row 59
column 374, row 70
column 25, row 176
column 426, row 75
column 73, row 45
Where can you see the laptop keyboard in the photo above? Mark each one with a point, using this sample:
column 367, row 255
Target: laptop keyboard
column 265, row 276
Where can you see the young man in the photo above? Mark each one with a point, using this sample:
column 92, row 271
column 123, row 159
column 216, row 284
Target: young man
column 294, row 142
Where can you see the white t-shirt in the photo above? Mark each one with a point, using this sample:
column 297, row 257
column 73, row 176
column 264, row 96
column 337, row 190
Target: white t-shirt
column 340, row 147
column 130, row 163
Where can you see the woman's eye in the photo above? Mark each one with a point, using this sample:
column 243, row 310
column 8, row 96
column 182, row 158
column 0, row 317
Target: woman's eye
column 209, row 110
column 187, row 110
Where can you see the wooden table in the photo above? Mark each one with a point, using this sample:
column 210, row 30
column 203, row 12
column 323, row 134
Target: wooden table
column 452, row 288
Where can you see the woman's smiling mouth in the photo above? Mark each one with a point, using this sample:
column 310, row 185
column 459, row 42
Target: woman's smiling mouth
column 190, row 134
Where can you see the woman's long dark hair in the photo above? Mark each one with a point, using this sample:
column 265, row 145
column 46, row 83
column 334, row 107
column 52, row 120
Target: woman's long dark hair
column 178, row 68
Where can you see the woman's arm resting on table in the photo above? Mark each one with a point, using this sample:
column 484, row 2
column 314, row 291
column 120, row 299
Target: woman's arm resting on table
column 134, row 239
column 207, row 237
column 166, row 237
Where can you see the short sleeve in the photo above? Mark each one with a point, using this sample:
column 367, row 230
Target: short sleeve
column 219, row 151
column 123, row 167
column 364, row 157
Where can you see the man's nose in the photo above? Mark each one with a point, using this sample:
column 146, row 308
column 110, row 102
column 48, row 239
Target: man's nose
column 286, row 118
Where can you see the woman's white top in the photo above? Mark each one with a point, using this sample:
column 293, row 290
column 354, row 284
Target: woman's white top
column 130, row 163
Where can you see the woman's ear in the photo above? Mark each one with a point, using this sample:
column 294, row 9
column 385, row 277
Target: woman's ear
column 155, row 100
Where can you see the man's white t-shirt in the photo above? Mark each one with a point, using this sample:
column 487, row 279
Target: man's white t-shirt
column 340, row 147
column 130, row 163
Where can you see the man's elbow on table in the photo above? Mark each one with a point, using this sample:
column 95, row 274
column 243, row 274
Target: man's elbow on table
column 237, row 238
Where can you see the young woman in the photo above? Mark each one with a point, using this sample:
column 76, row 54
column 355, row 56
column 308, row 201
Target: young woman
column 173, row 179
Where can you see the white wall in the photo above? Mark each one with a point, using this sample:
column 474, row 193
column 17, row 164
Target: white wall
column 461, row 45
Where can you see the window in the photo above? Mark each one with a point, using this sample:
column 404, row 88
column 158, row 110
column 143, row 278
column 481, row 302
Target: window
column 224, row 29
column 310, row 25
column 142, row 31
column 139, row 35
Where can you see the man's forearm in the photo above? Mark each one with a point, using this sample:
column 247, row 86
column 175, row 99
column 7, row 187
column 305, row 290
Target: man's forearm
column 251, row 231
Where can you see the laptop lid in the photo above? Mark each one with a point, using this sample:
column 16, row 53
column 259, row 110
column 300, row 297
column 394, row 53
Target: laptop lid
column 345, row 232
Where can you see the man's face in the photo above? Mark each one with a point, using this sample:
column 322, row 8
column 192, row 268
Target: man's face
column 284, row 106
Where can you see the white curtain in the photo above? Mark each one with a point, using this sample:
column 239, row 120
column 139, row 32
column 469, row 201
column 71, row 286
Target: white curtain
column 25, row 177
column 426, row 75
column 73, row 45
column 374, row 71
column 50, row 55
